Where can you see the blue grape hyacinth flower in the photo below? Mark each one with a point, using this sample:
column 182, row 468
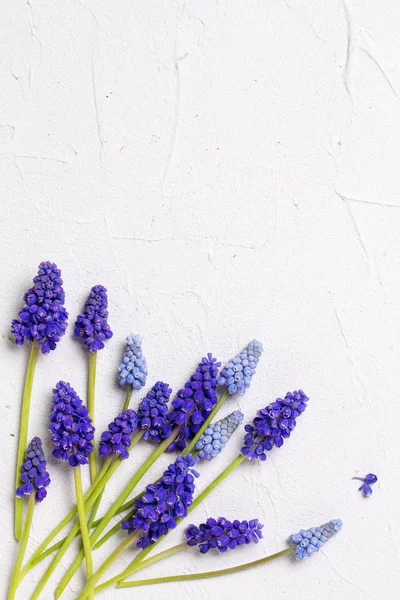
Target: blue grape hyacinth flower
column 273, row 424
column 43, row 318
column 163, row 503
column 193, row 404
column 237, row 374
column 133, row 367
column 153, row 411
column 309, row 541
column 117, row 438
column 91, row 326
column 70, row 425
column 217, row 435
column 34, row 476
column 222, row 534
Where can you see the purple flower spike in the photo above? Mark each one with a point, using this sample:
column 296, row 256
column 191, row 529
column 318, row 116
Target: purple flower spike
column 34, row 476
column 91, row 326
column 223, row 534
column 164, row 502
column 43, row 318
column 70, row 425
column 368, row 480
column 118, row 437
column 153, row 411
column 273, row 425
column 194, row 402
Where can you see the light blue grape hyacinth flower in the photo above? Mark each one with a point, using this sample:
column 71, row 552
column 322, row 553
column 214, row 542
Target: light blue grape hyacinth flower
column 133, row 368
column 311, row 540
column 216, row 436
column 238, row 372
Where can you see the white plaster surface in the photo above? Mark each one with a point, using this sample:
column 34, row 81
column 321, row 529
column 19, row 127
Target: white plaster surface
column 228, row 170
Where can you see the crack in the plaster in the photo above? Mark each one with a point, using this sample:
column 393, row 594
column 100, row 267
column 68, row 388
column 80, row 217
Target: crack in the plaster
column 364, row 591
column 48, row 158
column 177, row 112
column 354, row 223
column 188, row 239
column 37, row 38
column 89, row 11
column 349, row 50
column 97, row 114
column 301, row 18
column 384, row 204
column 178, row 95
column 342, row 333
column 15, row 165
column 382, row 71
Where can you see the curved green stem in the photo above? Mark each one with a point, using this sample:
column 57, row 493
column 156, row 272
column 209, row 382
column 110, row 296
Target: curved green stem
column 208, row 574
column 22, row 547
column 238, row 460
column 23, row 434
column 206, row 423
column 82, row 521
column 127, row 397
column 41, row 552
column 115, row 507
column 91, row 408
column 88, row 589
column 142, row 565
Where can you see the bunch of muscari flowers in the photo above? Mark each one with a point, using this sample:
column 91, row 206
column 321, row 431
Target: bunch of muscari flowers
column 186, row 426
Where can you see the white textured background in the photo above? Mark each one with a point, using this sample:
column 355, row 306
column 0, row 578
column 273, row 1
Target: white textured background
column 228, row 170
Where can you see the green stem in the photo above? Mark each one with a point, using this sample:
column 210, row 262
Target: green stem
column 115, row 507
column 114, row 529
column 205, row 575
column 91, row 409
column 127, row 398
column 56, row 560
column 98, row 489
column 38, row 558
column 206, row 423
column 94, row 511
column 88, row 589
column 22, row 547
column 23, row 434
column 238, row 460
column 82, row 521
column 40, row 553
column 142, row 565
